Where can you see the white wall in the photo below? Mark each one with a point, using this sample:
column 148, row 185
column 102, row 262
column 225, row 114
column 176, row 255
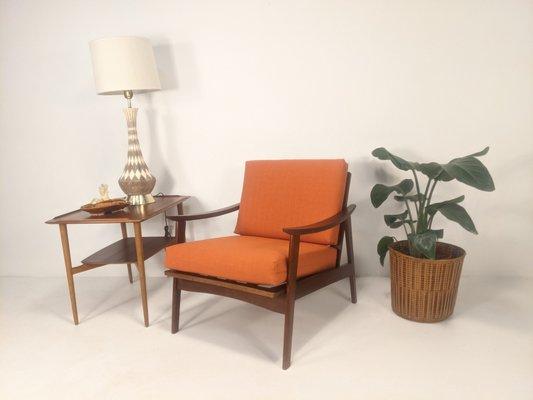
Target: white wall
column 256, row 79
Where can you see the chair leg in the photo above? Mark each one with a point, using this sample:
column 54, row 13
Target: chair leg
column 351, row 258
column 287, row 335
column 353, row 290
column 294, row 249
column 176, row 298
column 130, row 276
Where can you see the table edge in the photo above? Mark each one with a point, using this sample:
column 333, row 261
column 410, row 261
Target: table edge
column 54, row 221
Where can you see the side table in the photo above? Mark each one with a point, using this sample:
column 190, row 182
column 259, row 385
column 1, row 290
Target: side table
column 127, row 250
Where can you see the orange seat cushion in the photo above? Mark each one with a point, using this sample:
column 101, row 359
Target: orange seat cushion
column 280, row 194
column 247, row 258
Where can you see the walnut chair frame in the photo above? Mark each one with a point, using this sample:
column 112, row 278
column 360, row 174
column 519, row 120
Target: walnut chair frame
column 280, row 298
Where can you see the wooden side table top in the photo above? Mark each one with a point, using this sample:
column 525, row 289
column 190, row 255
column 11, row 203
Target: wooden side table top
column 127, row 215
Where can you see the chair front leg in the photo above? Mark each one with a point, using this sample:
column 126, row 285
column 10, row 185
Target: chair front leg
column 176, row 299
column 294, row 247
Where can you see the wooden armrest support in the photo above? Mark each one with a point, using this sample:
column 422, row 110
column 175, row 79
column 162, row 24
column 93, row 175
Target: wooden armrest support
column 323, row 225
column 209, row 214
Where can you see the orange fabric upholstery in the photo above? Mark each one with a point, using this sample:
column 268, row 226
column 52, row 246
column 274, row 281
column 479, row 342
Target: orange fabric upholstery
column 287, row 193
column 247, row 258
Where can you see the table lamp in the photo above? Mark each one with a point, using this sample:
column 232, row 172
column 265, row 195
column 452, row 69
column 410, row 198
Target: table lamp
column 126, row 65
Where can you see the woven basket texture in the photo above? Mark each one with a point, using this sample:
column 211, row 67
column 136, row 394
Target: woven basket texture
column 425, row 290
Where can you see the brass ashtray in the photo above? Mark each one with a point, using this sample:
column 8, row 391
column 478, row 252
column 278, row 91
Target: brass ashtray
column 105, row 206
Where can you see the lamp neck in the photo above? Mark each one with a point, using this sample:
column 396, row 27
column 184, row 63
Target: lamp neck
column 128, row 94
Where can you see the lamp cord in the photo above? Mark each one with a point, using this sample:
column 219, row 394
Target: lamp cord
column 166, row 228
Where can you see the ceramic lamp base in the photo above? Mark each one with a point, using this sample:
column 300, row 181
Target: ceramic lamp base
column 140, row 199
column 136, row 180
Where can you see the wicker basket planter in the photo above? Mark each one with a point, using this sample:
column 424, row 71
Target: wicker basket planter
column 425, row 290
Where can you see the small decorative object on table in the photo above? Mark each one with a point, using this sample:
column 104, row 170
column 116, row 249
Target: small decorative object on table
column 425, row 274
column 104, row 205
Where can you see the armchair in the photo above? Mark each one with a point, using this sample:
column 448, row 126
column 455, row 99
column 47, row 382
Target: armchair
column 293, row 218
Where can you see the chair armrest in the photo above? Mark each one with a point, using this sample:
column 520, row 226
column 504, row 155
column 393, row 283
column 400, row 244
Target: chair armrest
column 204, row 215
column 323, row 225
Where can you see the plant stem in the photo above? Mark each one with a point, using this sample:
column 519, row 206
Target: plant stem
column 422, row 215
column 417, row 203
column 431, row 193
column 427, row 190
column 410, row 216
column 429, row 200
column 405, row 229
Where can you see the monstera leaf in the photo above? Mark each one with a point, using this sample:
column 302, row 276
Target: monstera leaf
column 433, row 208
column 456, row 213
column 392, row 220
column 468, row 170
column 380, row 192
column 424, row 243
column 438, row 232
column 413, row 197
column 384, row 154
column 434, row 170
column 383, row 247
column 479, row 153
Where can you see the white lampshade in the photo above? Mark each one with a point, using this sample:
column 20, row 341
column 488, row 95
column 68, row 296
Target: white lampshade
column 124, row 63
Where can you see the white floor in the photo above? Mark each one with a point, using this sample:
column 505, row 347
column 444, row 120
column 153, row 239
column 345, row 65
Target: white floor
column 230, row 350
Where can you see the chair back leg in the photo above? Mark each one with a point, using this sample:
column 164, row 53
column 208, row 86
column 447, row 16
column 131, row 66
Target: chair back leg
column 351, row 258
column 176, row 299
column 353, row 292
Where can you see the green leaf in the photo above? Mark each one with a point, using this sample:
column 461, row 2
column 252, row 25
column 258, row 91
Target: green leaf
column 380, row 192
column 383, row 247
column 434, row 170
column 479, row 153
column 413, row 197
column 397, row 224
column 470, row 171
column 392, row 218
column 433, row 208
column 383, row 154
column 438, row 232
column 425, row 243
column 456, row 213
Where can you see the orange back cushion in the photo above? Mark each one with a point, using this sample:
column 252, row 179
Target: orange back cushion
column 287, row 193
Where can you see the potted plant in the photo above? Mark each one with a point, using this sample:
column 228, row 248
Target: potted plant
column 425, row 272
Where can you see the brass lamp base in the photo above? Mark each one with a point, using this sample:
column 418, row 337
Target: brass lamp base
column 140, row 199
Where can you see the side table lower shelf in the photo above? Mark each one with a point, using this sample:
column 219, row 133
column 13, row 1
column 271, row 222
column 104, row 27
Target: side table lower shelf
column 123, row 251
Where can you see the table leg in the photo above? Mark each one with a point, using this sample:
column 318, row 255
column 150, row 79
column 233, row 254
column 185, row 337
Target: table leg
column 180, row 226
column 124, row 236
column 68, row 267
column 140, row 266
